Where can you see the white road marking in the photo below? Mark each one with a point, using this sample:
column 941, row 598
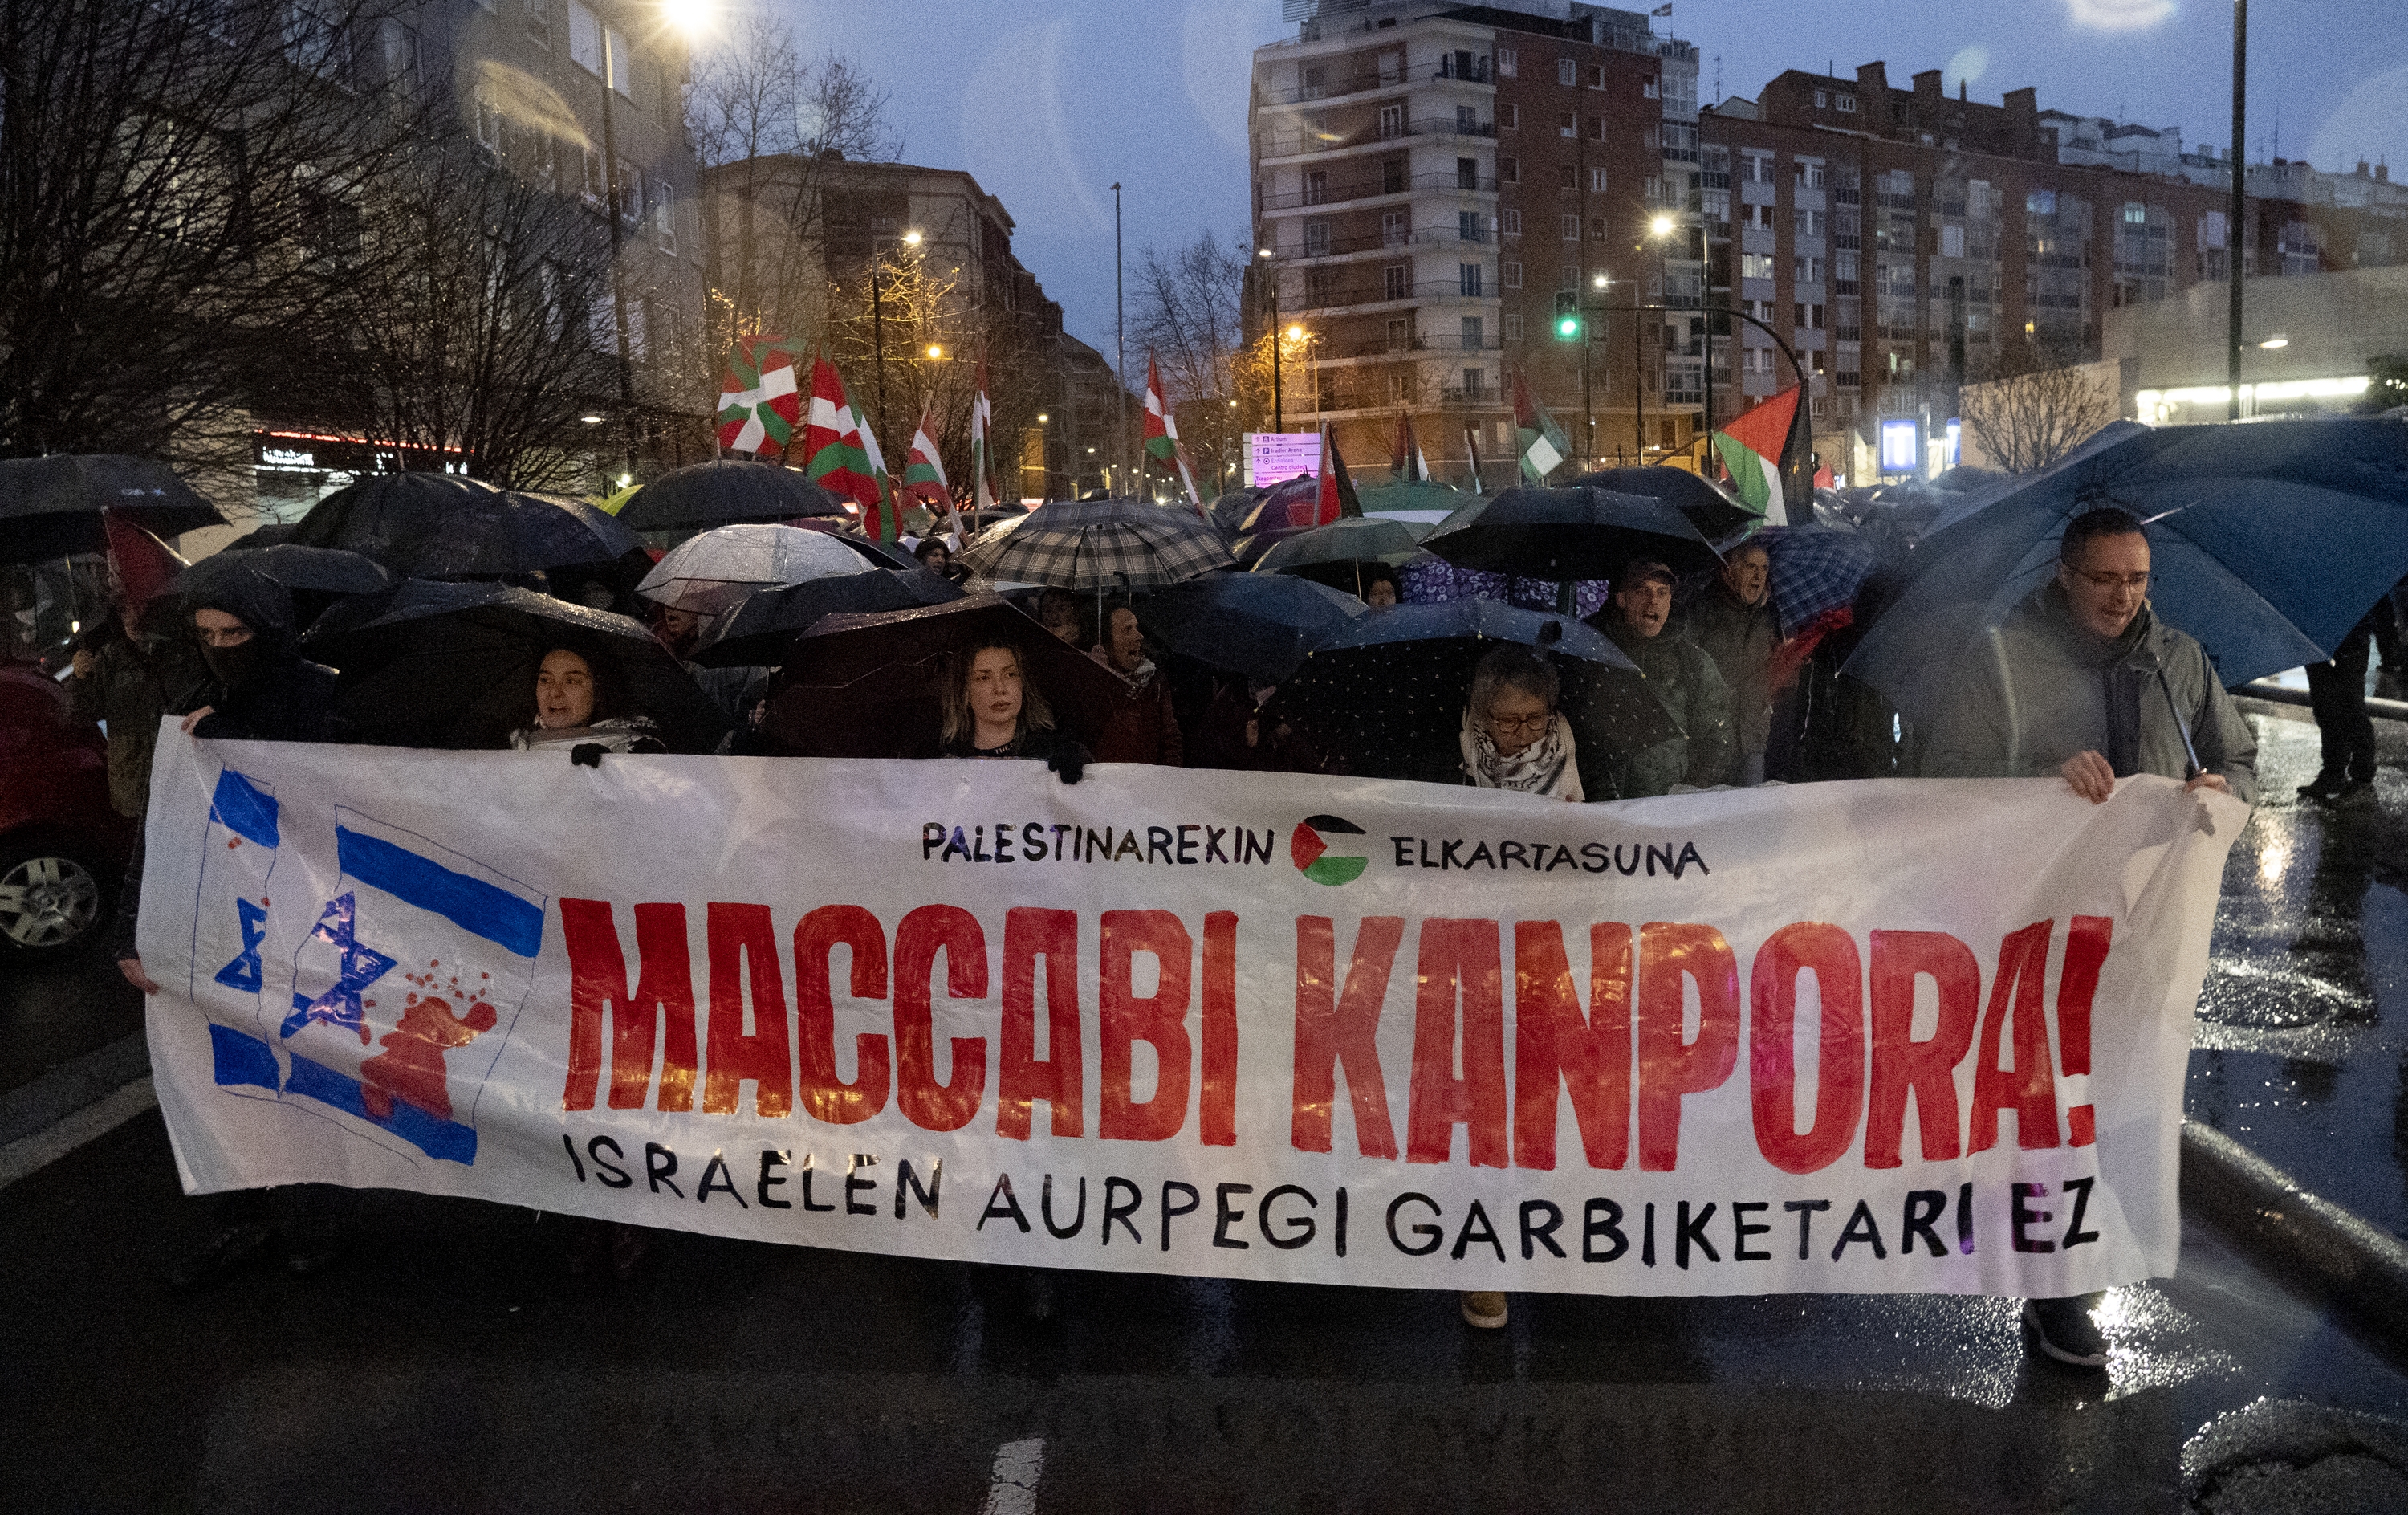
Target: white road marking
column 30, row 1154
column 1013, row 1491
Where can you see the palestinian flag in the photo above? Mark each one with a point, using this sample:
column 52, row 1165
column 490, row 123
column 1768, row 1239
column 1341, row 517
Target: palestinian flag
column 1162, row 435
column 1752, row 447
column 837, row 453
column 759, row 407
column 982, row 419
column 1542, row 443
column 1410, row 465
column 1337, row 497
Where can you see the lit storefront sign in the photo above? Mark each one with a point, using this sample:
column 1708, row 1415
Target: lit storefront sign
column 1897, row 446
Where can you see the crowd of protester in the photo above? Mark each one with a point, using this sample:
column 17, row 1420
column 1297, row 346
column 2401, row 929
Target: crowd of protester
column 2060, row 696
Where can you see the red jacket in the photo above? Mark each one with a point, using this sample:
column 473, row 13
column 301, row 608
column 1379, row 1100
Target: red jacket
column 1142, row 729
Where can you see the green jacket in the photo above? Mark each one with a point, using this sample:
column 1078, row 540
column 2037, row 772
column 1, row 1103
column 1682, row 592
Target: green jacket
column 2040, row 688
column 1692, row 691
column 130, row 688
column 1741, row 640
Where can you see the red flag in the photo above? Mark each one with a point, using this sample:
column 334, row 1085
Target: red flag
column 1332, row 505
column 143, row 564
column 1764, row 429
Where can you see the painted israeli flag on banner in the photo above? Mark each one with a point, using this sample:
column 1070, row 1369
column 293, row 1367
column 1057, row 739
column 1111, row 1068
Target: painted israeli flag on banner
column 404, row 992
column 241, row 841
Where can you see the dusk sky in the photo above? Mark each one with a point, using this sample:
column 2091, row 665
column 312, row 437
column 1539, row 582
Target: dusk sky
column 1047, row 102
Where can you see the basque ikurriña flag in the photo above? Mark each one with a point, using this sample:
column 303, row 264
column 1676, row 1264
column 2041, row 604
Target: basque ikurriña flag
column 420, row 958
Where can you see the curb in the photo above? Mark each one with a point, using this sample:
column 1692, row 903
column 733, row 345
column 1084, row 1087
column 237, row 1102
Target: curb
column 2272, row 693
column 72, row 1085
column 2324, row 1244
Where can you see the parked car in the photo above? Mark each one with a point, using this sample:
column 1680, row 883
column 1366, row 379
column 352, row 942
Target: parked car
column 62, row 846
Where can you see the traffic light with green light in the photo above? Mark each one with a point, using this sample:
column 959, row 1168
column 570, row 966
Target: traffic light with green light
column 1567, row 316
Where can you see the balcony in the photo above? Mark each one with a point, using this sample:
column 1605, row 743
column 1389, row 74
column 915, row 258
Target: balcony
column 1354, row 292
column 1373, row 188
column 1301, row 144
column 1364, row 83
column 1381, row 241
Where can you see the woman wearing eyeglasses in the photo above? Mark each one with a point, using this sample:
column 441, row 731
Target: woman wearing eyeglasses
column 1513, row 735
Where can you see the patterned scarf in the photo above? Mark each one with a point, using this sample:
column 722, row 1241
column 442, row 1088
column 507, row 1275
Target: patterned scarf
column 1544, row 767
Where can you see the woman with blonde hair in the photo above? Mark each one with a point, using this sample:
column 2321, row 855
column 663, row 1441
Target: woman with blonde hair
column 993, row 708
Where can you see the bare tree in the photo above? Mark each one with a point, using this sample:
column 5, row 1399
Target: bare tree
column 479, row 314
column 777, row 129
column 173, row 175
column 2032, row 406
column 1186, row 313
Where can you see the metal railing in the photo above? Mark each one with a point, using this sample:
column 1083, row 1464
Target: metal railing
column 1371, row 189
column 1379, row 291
column 1381, row 240
column 1299, row 143
column 1363, row 83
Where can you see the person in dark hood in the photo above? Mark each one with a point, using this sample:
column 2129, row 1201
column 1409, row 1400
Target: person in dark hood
column 1639, row 620
column 2084, row 682
column 258, row 688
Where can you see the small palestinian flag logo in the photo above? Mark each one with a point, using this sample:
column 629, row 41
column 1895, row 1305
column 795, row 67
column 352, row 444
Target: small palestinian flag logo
column 1310, row 849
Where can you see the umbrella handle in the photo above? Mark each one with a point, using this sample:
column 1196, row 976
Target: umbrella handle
column 2189, row 750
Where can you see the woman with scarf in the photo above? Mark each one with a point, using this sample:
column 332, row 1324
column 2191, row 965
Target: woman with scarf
column 580, row 702
column 1513, row 736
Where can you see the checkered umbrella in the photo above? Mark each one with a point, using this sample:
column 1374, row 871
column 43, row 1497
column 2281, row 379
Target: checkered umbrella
column 1815, row 572
column 1091, row 545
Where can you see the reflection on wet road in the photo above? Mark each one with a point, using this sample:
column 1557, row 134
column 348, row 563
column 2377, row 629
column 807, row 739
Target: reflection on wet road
column 2302, row 1050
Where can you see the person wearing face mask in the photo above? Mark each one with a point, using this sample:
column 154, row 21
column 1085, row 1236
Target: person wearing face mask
column 1733, row 624
column 258, row 688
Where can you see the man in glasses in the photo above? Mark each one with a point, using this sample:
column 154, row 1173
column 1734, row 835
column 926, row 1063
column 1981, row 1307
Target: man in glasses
column 2084, row 681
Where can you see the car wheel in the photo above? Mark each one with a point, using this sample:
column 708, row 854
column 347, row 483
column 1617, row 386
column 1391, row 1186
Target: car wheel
column 51, row 900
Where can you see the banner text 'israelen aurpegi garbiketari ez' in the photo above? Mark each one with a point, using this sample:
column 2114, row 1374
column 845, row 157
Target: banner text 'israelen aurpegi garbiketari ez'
column 1876, row 1036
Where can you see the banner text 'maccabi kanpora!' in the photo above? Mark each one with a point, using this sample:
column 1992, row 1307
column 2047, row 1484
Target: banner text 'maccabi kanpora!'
column 1617, row 1051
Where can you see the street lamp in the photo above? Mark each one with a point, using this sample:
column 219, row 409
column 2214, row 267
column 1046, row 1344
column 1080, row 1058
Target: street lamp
column 878, row 318
column 1279, row 420
column 1663, row 227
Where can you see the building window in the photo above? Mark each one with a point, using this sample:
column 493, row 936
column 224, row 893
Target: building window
column 1847, row 103
column 1398, row 280
column 1512, row 327
column 1810, row 317
column 1473, row 382
column 1822, row 99
column 1567, row 176
column 1650, row 90
column 1809, row 223
column 1756, row 217
column 1755, row 265
column 1316, row 187
column 1400, row 388
column 1571, row 229
column 1509, row 171
column 1567, row 124
column 2210, row 230
column 2041, row 203
column 1475, row 335
column 1467, row 279
column 1755, row 167
column 1392, row 122
column 1952, row 241
column 1567, row 72
column 1396, row 229
column 665, row 216
column 1597, row 76
column 1596, row 232
column 1466, row 121
column 1508, row 118
column 1509, row 62
column 1400, row 333
column 537, row 14
column 1810, row 173
column 1510, row 275
column 1596, row 182
column 1467, row 173
column 1512, row 220
column 585, row 38
column 2135, row 213
column 1471, row 226
column 1394, row 178
column 1570, row 279
column 1316, row 238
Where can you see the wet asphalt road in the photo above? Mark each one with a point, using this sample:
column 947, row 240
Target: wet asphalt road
column 451, row 1363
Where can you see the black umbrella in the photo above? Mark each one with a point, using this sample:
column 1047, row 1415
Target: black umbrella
column 1569, row 534
column 436, row 525
column 452, row 665
column 274, row 534
column 315, row 576
column 729, row 492
column 869, row 686
column 1384, row 697
column 1257, row 624
column 50, row 507
column 758, row 631
column 1716, row 511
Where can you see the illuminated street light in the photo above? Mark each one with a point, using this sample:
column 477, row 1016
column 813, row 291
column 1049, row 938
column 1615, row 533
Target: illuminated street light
column 1043, row 418
column 2278, row 339
column 911, row 238
column 1601, row 281
column 1296, row 334
column 591, row 418
column 1662, row 226
column 691, row 17
column 936, row 351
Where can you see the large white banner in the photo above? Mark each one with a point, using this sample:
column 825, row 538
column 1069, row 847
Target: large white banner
column 1869, row 1037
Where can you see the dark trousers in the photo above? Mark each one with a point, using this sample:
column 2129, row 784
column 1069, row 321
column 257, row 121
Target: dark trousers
column 2337, row 692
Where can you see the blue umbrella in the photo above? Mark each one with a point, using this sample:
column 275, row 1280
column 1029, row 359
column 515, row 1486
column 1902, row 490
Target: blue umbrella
column 2268, row 542
column 1257, row 624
